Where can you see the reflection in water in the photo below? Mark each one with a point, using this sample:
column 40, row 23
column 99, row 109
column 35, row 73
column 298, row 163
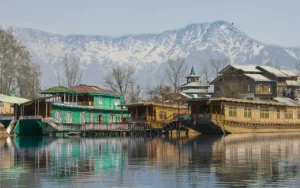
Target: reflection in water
column 248, row 160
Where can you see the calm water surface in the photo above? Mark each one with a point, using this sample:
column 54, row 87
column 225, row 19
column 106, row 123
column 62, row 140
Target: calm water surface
column 260, row 160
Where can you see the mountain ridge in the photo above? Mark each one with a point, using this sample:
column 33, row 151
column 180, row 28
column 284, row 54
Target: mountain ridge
column 196, row 42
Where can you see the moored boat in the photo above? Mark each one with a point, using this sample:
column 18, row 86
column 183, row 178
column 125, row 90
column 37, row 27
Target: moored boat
column 228, row 115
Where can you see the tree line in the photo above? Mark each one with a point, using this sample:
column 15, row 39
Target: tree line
column 165, row 85
column 18, row 74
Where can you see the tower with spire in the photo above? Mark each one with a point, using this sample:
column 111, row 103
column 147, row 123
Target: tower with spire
column 193, row 86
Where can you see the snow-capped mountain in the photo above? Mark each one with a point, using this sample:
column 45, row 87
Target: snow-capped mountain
column 195, row 42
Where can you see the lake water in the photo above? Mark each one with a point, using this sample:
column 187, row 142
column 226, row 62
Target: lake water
column 247, row 160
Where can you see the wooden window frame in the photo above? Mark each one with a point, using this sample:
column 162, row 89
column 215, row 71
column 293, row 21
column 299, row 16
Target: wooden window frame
column 247, row 113
column 232, row 111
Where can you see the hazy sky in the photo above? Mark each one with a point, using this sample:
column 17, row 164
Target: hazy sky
column 269, row 21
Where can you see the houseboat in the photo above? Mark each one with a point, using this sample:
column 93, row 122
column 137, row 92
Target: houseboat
column 66, row 109
column 155, row 115
column 228, row 115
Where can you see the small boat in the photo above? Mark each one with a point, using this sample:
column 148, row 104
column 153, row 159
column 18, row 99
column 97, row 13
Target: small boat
column 73, row 133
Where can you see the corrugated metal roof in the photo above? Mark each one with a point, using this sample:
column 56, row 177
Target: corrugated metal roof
column 247, row 68
column 13, row 100
column 56, row 89
column 185, row 95
column 258, row 78
column 287, row 101
column 277, row 72
column 292, row 83
column 191, row 91
column 90, row 89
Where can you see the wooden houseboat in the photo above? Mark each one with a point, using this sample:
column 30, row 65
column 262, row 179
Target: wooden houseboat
column 228, row 115
column 156, row 115
column 64, row 109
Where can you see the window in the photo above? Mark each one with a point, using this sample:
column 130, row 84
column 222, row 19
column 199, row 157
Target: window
column 116, row 101
column 82, row 117
column 288, row 114
column 247, row 113
column 58, row 116
column 91, row 117
column 111, row 118
column 100, row 118
column 298, row 114
column 232, row 111
column 264, row 114
column 99, row 100
column 249, row 88
column 69, row 117
column 162, row 115
column 278, row 113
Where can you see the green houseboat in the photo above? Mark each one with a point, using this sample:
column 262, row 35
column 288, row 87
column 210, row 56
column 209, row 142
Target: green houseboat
column 70, row 108
column 84, row 104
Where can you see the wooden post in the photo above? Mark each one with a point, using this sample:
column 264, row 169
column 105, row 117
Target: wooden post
column 76, row 99
column 146, row 113
column 34, row 108
column 38, row 107
column 46, row 109
column 136, row 113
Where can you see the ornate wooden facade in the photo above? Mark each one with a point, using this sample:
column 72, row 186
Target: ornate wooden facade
column 226, row 115
column 154, row 114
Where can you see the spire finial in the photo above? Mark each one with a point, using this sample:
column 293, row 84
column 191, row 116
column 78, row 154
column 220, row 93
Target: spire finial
column 192, row 71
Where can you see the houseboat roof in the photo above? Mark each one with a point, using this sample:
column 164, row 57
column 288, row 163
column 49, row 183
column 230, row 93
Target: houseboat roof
column 238, row 100
column 277, row 72
column 258, row 78
column 153, row 104
column 13, row 100
column 244, row 68
column 287, row 101
column 91, row 89
column 57, row 89
column 292, row 83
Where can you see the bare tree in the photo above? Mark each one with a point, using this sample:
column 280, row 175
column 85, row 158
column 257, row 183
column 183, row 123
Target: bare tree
column 134, row 93
column 206, row 72
column 72, row 71
column 217, row 65
column 120, row 78
column 17, row 72
column 175, row 72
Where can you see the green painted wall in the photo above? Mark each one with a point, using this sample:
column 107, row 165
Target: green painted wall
column 76, row 112
column 104, row 108
column 108, row 101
